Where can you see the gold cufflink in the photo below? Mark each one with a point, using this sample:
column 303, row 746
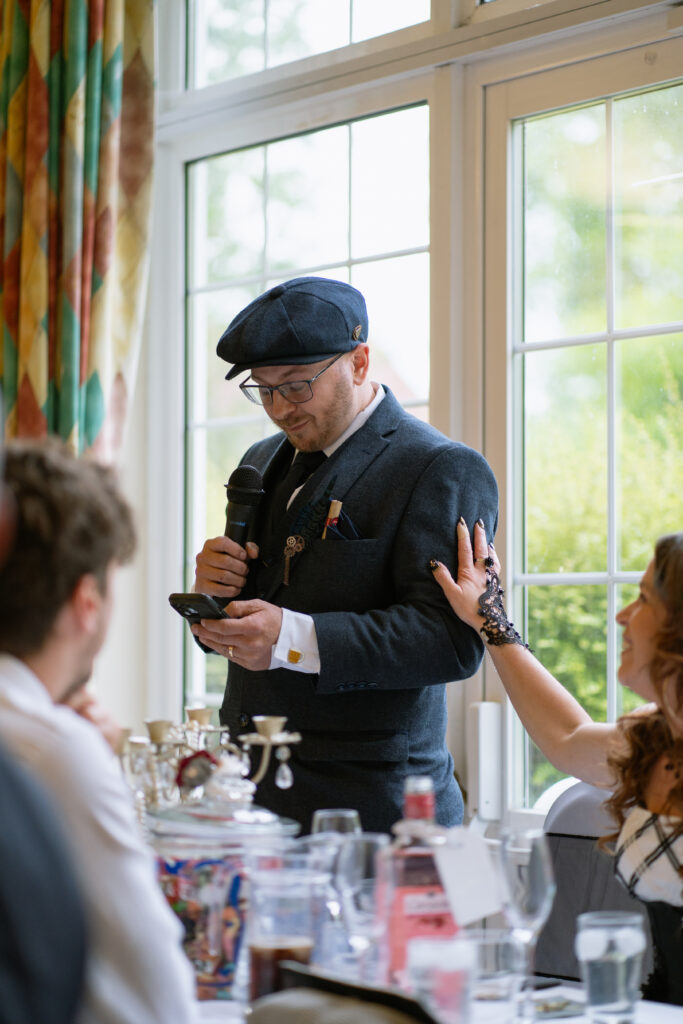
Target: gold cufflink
column 294, row 656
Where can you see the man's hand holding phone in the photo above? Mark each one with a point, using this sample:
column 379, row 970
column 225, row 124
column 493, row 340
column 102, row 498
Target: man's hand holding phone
column 244, row 631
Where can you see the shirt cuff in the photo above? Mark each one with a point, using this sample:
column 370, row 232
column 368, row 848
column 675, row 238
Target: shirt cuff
column 297, row 644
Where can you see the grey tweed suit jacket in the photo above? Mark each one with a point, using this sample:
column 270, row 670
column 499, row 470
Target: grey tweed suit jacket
column 387, row 638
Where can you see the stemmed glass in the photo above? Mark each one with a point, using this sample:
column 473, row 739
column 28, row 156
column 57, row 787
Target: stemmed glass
column 528, row 893
column 356, row 883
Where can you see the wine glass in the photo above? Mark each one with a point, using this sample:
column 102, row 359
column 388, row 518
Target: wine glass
column 528, row 893
column 356, row 882
column 335, row 819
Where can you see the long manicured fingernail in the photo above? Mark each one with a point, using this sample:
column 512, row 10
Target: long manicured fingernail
column 480, row 522
column 433, row 564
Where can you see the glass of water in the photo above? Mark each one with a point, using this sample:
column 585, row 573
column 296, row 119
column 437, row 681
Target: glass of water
column 609, row 947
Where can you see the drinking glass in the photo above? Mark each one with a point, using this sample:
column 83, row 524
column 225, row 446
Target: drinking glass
column 497, row 975
column 281, row 923
column 528, row 893
column 610, row 947
column 335, row 819
column 439, row 973
column 356, row 884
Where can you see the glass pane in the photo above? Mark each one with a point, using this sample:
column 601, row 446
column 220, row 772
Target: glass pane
column 228, row 39
column 390, row 183
column 307, row 205
column 648, row 142
column 211, row 396
column 217, row 452
column 398, row 331
column 565, row 444
column 564, row 224
column 299, row 28
column 627, row 700
column 238, row 37
column 216, row 673
column 374, row 18
column 567, row 631
column 227, row 232
column 649, row 425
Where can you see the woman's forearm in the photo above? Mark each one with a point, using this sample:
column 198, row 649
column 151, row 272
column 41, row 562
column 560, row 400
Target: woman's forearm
column 555, row 721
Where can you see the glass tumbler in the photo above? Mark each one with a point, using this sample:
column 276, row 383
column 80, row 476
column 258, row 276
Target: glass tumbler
column 609, row 947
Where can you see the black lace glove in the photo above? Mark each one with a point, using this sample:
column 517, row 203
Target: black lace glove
column 497, row 629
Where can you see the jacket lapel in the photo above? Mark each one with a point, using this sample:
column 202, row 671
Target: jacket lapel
column 343, row 468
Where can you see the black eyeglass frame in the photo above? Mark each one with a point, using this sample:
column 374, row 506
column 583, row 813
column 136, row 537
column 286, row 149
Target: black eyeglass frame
column 254, row 392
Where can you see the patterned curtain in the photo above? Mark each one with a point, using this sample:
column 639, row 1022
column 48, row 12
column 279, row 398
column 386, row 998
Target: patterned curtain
column 76, row 156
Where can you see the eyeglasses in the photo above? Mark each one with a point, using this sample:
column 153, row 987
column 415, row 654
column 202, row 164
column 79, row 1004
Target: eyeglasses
column 296, row 391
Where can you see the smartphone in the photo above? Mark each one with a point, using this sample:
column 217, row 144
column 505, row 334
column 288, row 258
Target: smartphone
column 195, row 607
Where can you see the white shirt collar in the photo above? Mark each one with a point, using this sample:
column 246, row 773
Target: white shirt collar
column 21, row 684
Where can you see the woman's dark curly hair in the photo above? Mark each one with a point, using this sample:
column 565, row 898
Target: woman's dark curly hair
column 643, row 739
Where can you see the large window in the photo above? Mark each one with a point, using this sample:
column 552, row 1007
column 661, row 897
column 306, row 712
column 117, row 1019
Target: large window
column 512, row 214
column 596, row 366
column 323, row 203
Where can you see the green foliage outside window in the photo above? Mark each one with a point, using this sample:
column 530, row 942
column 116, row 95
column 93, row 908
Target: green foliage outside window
column 566, row 394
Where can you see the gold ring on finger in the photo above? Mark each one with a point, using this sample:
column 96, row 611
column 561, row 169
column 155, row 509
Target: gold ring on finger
column 230, row 652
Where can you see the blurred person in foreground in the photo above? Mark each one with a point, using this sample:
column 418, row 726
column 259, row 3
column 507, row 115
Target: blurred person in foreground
column 337, row 626
column 42, row 939
column 640, row 757
column 72, row 530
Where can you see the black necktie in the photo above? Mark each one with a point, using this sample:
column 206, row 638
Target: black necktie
column 302, row 466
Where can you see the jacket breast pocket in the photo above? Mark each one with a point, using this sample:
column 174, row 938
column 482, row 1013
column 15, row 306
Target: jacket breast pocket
column 349, row 575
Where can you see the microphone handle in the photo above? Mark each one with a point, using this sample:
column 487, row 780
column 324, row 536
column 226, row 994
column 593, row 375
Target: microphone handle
column 238, row 522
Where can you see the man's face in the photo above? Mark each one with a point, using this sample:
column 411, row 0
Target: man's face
column 313, row 425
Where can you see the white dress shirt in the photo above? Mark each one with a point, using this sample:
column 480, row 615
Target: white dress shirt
column 137, row 972
column 297, row 632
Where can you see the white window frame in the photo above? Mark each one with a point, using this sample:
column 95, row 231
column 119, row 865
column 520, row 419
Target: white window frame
column 506, row 98
column 454, row 69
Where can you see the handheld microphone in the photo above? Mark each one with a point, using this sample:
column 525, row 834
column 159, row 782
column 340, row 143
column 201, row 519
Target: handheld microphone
column 244, row 490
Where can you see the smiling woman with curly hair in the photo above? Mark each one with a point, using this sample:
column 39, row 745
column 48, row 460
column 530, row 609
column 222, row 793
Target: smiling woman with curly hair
column 639, row 758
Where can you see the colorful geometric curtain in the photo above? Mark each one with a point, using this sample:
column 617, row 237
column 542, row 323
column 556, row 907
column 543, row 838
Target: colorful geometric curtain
column 76, row 158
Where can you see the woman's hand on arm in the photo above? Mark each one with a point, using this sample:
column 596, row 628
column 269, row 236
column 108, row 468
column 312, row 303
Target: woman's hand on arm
column 555, row 721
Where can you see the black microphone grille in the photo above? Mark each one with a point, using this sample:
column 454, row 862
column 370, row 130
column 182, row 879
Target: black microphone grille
column 245, row 486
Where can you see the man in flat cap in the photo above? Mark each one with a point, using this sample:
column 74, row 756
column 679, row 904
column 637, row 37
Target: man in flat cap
column 337, row 623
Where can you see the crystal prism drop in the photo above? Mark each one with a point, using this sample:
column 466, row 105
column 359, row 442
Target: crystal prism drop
column 283, row 776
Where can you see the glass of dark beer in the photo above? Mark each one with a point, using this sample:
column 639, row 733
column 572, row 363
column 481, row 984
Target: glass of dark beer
column 281, row 924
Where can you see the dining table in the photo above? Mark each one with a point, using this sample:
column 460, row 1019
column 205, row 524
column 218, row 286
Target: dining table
column 220, row 1012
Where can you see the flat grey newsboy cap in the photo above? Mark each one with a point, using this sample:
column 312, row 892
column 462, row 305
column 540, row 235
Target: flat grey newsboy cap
column 303, row 320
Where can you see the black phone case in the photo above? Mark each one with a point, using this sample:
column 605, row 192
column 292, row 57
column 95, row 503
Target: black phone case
column 195, row 607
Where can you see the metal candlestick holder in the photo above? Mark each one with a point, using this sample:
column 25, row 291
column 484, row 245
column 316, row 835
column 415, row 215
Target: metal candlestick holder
column 180, row 763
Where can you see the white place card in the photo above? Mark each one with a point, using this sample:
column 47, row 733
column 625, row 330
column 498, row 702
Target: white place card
column 468, row 875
